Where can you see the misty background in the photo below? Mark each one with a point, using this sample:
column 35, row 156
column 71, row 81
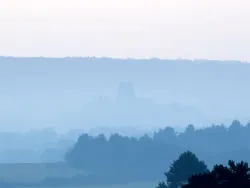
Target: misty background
column 46, row 103
column 111, row 92
column 84, row 93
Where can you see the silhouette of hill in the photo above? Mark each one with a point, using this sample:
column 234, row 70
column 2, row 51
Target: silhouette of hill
column 53, row 91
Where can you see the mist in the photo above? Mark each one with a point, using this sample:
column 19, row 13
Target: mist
column 124, row 94
column 85, row 93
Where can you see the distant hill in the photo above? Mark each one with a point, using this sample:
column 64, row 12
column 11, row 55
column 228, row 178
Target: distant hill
column 54, row 92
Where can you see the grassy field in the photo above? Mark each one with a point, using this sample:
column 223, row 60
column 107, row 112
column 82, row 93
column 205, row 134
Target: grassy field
column 129, row 185
column 32, row 172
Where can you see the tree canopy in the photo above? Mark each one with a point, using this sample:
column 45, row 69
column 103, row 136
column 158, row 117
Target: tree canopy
column 186, row 165
column 181, row 169
column 146, row 157
column 235, row 175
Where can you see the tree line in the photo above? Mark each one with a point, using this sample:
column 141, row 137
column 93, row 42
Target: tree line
column 147, row 156
column 189, row 172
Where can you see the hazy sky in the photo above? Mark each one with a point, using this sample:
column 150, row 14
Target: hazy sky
column 212, row 29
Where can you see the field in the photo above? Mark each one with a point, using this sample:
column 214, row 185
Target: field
column 32, row 173
column 129, row 185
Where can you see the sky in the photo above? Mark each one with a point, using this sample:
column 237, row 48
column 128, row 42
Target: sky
column 192, row 29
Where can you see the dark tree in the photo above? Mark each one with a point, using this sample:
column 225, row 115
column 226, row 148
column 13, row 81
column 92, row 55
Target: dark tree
column 185, row 166
column 235, row 176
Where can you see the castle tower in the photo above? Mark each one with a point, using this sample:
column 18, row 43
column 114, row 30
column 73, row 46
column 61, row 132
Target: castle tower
column 126, row 92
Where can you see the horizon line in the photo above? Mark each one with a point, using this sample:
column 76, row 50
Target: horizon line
column 125, row 58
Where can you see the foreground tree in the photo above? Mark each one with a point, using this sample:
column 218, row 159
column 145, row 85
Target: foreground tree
column 185, row 166
column 234, row 176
